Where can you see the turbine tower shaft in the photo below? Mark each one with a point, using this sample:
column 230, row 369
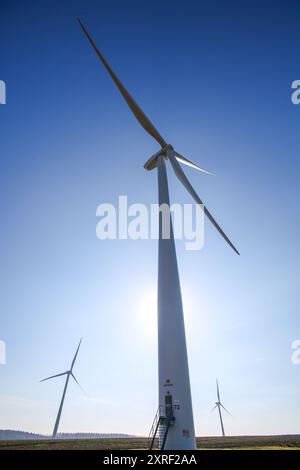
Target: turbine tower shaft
column 221, row 420
column 60, row 407
column 173, row 376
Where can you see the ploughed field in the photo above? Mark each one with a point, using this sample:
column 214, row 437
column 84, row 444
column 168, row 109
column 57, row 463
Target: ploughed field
column 286, row 442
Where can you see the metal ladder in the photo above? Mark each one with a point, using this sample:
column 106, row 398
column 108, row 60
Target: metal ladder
column 160, row 428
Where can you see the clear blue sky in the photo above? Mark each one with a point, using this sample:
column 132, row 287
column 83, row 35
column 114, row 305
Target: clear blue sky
column 215, row 79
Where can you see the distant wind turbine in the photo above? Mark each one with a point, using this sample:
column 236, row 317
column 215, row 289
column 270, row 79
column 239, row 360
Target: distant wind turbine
column 68, row 373
column 219, row 405
column 174, row 422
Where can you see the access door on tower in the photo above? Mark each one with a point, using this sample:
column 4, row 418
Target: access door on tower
column 168, row 405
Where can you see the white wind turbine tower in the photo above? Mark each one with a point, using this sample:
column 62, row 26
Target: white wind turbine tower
column 219, row 405
column 68, row 373
column 174, row 423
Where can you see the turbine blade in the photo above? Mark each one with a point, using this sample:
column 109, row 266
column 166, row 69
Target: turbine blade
column 52, row 376
column 213, row 408
column 182, row 177
column 139, row 114
column 74, row 359
column 218, row 392
column 77, row 382
column 187, row 162
column 225, row 409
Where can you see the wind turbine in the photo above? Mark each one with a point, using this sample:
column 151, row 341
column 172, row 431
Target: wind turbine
column 68, row 373
column 174, row 421
column 219, row 405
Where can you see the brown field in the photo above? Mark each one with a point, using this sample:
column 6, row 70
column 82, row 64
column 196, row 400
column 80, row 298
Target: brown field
column 288, row 442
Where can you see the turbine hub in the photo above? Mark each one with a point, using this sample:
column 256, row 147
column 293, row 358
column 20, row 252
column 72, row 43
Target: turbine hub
column 152, row 162
column 167, row 147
